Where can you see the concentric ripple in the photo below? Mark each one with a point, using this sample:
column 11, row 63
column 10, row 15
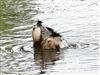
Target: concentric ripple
column 75, row 20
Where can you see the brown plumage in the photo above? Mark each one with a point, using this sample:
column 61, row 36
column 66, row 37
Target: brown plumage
column 45, row 37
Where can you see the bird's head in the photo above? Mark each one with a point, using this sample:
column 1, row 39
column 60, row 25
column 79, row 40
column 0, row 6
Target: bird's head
column 39, row 23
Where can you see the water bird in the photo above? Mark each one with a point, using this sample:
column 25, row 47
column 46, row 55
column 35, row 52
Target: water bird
column 45, row 37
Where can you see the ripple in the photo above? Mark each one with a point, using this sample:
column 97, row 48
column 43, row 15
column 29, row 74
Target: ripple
column 72, row 19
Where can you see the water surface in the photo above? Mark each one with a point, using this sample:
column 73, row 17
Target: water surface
column 76, row 20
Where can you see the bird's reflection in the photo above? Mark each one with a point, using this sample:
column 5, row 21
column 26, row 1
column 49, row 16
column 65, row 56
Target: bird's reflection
column 45, row 57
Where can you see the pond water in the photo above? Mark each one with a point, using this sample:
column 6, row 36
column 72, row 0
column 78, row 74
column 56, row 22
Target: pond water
column 76, row 20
